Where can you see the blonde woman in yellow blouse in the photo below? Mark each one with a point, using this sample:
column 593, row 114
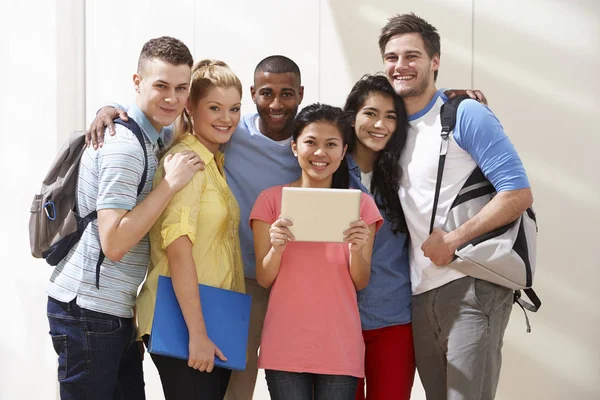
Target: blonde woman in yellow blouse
column 196, row 238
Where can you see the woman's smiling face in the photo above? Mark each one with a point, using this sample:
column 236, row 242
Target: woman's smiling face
column 375, row 122
column 320, row 150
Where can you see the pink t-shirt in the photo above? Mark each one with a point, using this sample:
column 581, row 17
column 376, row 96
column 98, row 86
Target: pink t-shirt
column 312, row 322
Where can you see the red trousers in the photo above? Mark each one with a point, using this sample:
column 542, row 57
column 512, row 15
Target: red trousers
column 389, row 364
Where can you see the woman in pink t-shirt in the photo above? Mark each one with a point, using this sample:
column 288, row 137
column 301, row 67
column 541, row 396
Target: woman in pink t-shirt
column 312, row 344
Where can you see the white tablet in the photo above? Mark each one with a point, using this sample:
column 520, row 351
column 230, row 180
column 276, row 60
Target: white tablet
column 320, row 215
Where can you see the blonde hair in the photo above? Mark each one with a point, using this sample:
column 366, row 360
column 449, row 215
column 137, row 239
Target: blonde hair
column 206, row 74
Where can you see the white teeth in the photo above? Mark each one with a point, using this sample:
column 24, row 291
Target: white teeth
column 377, row 135
column 277, row 116
column 221, row 128
column 318, row 164
column 404, row 78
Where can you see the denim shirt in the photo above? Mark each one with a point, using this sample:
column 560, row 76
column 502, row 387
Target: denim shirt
column 386, row 300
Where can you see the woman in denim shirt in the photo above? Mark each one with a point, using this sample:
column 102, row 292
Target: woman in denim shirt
column 380, row 124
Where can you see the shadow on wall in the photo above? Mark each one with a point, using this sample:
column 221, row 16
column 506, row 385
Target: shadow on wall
column 519, row 57
column 359, row 24
column 524, row 377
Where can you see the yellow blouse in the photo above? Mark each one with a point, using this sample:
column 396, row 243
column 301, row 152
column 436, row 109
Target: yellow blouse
column 206, row 211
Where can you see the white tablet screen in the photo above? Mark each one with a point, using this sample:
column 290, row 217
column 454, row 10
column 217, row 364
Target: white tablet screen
column 320, row 215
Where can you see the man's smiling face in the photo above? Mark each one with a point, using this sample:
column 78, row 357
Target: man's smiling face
column 407, row 65
column 277, row 97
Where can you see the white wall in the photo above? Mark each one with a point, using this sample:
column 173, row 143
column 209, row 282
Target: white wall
column 536, row 61
column 28, row 141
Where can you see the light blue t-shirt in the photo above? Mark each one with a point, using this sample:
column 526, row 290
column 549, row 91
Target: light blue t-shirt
column 253, row 163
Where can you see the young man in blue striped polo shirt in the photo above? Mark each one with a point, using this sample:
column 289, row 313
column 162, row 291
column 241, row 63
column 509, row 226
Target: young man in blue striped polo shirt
column 92, row 327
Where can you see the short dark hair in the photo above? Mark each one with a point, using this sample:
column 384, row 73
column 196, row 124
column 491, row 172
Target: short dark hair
column 335, row 116
column 409, row 23
column 278, row 64
column 167, row 49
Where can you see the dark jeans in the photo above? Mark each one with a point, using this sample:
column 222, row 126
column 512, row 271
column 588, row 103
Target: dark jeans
column 301, row 386
column 97, row 356
column 181, row 382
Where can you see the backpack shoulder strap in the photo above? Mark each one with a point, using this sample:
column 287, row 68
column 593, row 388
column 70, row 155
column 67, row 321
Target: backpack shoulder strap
column 533, row 305
column 448, row 121
column 137, row 131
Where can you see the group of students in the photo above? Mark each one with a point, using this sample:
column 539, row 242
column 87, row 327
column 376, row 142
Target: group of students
column 326, row 316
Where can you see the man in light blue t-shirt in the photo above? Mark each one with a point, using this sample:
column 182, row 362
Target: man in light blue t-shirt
column 258, row 157
column 458, row 321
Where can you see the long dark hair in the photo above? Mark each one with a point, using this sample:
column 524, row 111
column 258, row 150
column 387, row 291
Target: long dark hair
column 386, row 172
column 318, row 112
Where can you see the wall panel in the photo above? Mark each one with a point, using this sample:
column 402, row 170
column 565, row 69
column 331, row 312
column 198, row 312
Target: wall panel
column 350, row 33
column 28, row 141
column 242, row 33
column 115, row 34
column 538, row 64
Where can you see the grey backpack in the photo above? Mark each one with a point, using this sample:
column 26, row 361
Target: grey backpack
column 54, row 225
column 505, row 256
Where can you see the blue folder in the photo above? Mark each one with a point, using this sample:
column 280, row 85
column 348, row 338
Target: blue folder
column 226, row 316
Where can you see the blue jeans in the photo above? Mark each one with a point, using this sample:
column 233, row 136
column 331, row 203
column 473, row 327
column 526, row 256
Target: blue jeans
column 301, row 386
column 97, row 356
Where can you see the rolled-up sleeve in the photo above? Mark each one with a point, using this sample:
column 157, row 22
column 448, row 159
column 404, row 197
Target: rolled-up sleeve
column 180, row 218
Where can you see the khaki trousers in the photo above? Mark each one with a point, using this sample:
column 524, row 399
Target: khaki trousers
column 241, row 384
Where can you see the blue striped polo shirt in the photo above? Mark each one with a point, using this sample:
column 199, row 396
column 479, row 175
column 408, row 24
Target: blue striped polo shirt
column 108, row 178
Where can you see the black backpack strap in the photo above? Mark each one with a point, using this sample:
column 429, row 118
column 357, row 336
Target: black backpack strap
column 98, row 264
column 535, row 304
column 448, row 121
column 137, row 131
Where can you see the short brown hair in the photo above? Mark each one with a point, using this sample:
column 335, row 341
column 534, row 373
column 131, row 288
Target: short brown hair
column 409, row 23
column 167, row 49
